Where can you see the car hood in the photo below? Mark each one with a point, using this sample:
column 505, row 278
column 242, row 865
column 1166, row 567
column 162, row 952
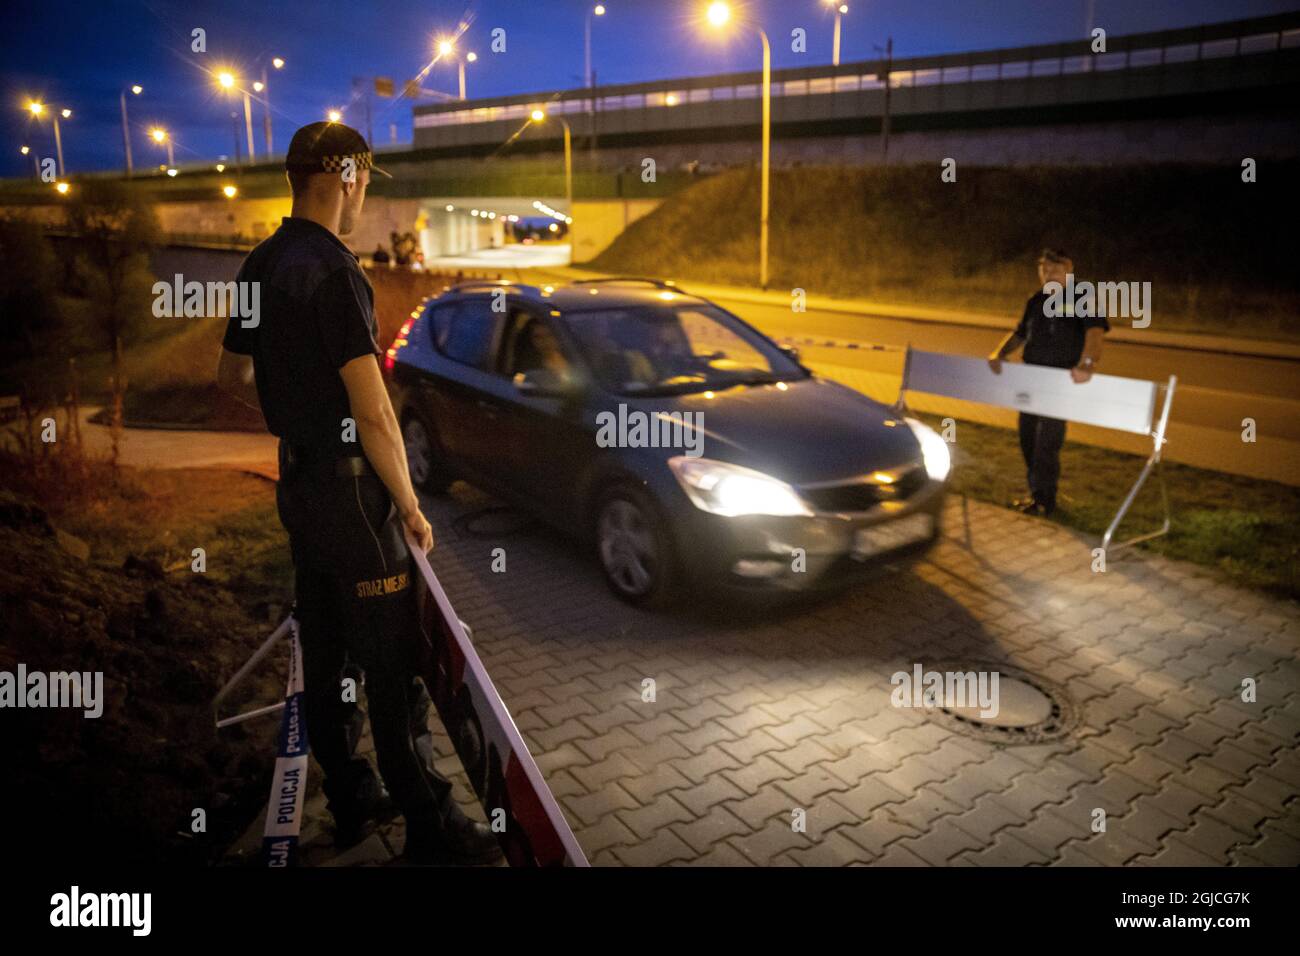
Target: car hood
column 813, row 430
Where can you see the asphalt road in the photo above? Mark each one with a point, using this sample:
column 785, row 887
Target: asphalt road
column 1215, row 390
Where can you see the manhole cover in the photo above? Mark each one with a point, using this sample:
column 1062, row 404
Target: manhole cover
column 1030, row 709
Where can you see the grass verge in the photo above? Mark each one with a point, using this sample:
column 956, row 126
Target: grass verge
column 899, row 234
column 1247, row 529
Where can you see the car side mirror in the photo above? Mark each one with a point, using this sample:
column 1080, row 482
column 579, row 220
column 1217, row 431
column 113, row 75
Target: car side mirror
column 544, row 383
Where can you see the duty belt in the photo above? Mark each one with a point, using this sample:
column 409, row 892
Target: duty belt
column 306, row 461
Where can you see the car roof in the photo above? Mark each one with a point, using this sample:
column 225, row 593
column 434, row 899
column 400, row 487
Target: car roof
column 585, row 296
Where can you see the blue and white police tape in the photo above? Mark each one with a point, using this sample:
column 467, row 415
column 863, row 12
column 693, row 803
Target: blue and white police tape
column 289, row 783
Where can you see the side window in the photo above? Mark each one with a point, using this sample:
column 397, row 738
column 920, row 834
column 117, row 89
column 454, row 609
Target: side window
column 531, row 344
column 465, row 331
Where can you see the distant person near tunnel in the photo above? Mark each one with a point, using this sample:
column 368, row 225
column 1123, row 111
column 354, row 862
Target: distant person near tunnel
column 1063, row 341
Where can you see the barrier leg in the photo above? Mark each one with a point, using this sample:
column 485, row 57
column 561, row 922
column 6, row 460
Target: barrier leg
column 277, row 635
column 1158, row 440
column 1152, row 463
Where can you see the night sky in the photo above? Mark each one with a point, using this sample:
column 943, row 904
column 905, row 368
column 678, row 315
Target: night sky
column 81, row 55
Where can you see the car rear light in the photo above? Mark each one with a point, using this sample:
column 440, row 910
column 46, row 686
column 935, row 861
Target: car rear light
column 390, row 357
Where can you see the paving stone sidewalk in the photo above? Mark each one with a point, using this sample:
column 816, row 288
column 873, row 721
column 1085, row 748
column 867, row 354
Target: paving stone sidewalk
column 757, row 715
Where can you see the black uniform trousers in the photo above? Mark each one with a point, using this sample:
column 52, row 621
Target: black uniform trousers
column 1041, row 439
column 356, row 606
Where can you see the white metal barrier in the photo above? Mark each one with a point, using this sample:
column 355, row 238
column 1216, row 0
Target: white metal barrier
column 1107, row 401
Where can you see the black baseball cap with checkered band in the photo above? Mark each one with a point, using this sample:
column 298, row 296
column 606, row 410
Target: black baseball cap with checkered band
column 323, row 148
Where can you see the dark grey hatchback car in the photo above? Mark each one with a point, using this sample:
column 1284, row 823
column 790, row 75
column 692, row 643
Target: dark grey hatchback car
column 685, row 445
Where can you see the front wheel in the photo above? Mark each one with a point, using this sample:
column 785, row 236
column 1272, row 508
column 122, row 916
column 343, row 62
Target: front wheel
column 427, row 473
column 635, row 550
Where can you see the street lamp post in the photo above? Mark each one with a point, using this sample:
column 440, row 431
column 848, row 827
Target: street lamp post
column 278, row 63
column 161, row 138
column 540, row 116
column 840, row 10
column 448, row 48
column 226, row 80
column 718, row 14
column 599, row 11
column 58, row 138
column 37, row 110
column 469, row 57
column 136, row 90
column 248, row 125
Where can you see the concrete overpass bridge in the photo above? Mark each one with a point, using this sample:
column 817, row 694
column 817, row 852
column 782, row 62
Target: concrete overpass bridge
column 1212, row 93
column 1182, row 94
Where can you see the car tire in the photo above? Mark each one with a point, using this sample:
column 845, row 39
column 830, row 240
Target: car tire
column 428, row 473
column 635, row 550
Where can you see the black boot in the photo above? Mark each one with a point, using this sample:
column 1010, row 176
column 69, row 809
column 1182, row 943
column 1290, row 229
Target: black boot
column 358, row 804
column 459, row 842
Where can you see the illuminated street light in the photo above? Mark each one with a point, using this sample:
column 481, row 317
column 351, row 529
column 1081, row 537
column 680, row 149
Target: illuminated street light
column 24, row 150
column 263, row 87
column 334, row 116
column 539, row 116
column 718, row 14
column 221, row 167
column 230, row 192
column 37, row 109
column 599, row 11
column 160, row 137
column 126, row 126
column 172, row 172
column 447, row 48
column 840, row 10
column 228, row 82
column 62, row 188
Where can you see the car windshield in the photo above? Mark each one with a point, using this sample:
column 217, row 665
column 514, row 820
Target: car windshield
column 665, row 350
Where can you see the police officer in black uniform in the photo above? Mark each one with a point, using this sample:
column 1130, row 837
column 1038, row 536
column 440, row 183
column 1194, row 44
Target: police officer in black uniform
column 1065, row 341
column 308, row 361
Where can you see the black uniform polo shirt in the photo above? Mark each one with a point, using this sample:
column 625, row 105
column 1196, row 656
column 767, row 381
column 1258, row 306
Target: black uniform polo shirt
column 1058, row 341
column 317, row 314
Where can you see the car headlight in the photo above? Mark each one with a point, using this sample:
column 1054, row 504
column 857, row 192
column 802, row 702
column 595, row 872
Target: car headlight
column 938, row 460
column 730, row 490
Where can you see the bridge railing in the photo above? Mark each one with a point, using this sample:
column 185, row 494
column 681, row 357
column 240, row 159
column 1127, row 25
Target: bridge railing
column 1140, row 51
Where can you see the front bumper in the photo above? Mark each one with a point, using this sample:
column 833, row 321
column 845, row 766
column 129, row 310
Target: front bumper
column 758, row 552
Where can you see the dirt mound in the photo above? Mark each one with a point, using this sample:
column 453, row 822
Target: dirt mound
column 123, row 786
